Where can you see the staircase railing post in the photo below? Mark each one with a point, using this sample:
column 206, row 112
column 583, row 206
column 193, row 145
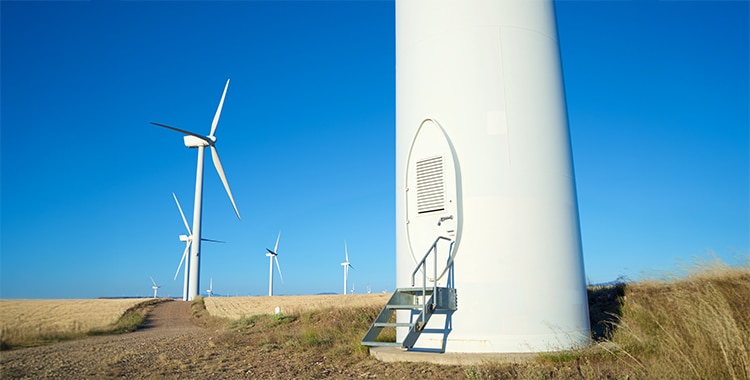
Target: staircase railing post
column 422, row 263
column 434, row 277
column 424, row 291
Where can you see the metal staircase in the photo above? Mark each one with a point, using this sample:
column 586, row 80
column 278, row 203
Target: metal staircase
column 422, row 302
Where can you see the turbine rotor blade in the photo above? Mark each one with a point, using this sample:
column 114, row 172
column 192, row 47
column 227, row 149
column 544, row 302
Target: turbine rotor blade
column 152, row 280
column 213, row 241
column 279, row 268
column 218, row 110
column 271, row 252
column 184, row 255
column 346, row 250
column 220, row 170
column 184, row 132
column 187, row 226
column 276, row 247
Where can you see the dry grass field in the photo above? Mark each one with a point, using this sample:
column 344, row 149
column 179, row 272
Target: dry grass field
column 692, row 327
column 40, row 320
column 240, row 307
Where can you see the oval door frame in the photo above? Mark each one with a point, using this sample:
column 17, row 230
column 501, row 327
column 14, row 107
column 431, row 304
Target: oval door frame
column 432, row 193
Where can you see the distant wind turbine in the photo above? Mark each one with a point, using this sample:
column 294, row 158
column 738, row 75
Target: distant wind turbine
column 194, row 140
column 273, row 255
column 155, row 287
column 188, row 239
column 210, row 290
column 346, row 266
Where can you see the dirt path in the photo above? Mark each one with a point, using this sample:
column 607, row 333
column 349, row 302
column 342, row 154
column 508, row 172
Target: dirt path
column 158, row 350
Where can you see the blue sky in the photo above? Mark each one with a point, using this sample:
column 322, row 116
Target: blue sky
column 657, row 97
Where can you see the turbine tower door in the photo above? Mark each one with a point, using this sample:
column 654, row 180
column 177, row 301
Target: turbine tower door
column 432, row 199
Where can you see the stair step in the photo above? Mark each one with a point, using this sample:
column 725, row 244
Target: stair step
column 382, row 344
column 391, row 324
column 410, row 299
column 427, row 291
column 405, row 307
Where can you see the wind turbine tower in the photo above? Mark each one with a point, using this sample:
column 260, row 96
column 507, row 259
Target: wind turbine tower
column 273, row 255
column 346, row 266
column 210, row 290
column 194, row 140
column 484, row 177
column 187, row 239
column 155, row 287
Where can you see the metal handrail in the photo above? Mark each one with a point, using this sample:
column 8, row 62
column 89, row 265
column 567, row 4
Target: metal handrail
column 421, row 263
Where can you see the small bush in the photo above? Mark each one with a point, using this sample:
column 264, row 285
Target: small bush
column 280, row 319
column 243, row 323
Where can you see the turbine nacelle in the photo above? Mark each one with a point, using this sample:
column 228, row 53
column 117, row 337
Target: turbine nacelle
column 192, row 141
column 185, row 238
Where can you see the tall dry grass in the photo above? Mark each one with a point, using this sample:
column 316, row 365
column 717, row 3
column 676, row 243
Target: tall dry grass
column 697, row 327
column 694, row 327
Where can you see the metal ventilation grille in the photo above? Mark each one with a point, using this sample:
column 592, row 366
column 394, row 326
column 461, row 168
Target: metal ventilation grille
column 430, row 186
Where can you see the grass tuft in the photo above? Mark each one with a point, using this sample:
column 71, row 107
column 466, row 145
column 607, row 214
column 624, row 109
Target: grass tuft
column 198, row 306
column 280, row 319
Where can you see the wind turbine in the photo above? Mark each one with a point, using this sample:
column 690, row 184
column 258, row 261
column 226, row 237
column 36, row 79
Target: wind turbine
column 155, row 287
column 346, row 266
column 273, row 255
column 188, row 239
column 210, row 290
column 194, row 140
